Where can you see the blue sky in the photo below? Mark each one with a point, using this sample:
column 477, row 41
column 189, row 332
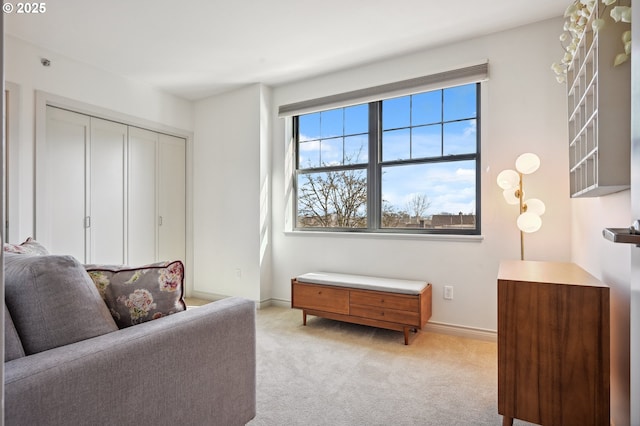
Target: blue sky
column 339, row 137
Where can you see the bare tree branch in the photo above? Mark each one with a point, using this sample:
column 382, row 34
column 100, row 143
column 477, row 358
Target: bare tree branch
column 333, row 199
column 418, row 205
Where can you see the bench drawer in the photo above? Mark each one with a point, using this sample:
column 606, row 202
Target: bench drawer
column 321, row 298
column 389, row 315
column 386, row 300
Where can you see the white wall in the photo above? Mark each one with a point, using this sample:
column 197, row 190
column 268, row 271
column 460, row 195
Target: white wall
column 600, row 257
column 227, row 184
column 80, row 82
column 266, row 261
column 524, row 110
column 611, row 263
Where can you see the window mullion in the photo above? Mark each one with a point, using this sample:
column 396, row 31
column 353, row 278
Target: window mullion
column 442, row 122
column 373, row 171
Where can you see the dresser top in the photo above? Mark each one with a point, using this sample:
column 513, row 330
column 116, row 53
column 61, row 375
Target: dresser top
column 546, row 272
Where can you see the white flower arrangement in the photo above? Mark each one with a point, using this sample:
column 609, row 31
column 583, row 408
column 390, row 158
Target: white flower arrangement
column 576, row 19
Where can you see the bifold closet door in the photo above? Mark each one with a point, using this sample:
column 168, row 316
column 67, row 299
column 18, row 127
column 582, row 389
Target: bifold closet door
column 171, row 198
column 80, row 201
column 106, row 196
column 110, row 193
column 141, row 197
column 60, row 183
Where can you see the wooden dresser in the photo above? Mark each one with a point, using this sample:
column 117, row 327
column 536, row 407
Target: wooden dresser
column 553, row 344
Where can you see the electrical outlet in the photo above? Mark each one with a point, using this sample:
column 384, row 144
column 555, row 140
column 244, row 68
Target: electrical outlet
column 448, row 292
column 238, row 273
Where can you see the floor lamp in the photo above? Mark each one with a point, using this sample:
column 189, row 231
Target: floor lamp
column 530, row 210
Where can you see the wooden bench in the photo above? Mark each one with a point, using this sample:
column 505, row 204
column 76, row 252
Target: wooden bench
column 393, row 304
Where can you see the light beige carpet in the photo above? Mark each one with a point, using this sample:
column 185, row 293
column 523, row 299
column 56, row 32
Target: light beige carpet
column 333, row 373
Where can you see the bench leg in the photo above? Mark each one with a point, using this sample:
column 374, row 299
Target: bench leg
column 304, row 317
column 406, row 331
column 406, row 335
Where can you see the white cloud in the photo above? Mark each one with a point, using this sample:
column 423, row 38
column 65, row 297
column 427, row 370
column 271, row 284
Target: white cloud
column 450, row 187
column 309, row 146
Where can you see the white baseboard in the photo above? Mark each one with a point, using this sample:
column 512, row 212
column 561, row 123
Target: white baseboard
column 212, row 297
column 280, row 303
column 206, row 296
column 462, row 331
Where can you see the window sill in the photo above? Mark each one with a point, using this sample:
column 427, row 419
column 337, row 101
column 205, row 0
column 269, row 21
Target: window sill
column 388, row 236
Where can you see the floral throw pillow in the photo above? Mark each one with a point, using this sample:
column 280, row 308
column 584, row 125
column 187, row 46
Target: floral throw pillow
column 140, row 294
column 30, row 246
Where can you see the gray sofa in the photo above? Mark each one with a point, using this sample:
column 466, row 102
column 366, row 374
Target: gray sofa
column 194, row 367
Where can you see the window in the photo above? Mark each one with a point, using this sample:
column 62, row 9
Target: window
column 405, row 164
column 400, row 157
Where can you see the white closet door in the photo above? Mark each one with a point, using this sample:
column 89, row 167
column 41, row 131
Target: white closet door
column 171, row 198
column 110, row 193
column 107, row 192
column 141, row 197
column 60, row 180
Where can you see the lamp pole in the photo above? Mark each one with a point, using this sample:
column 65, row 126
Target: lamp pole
column 522, row 209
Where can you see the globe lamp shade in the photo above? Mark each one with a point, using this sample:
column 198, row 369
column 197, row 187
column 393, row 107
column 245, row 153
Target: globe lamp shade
column 508, row 179
column 529, row 222
column 510, row 196
column 535, row 206
column 527, row 163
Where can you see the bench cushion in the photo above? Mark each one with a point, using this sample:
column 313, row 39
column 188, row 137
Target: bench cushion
column 363, row 282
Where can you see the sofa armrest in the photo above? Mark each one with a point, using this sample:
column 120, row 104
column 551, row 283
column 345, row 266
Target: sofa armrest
column 193, row 367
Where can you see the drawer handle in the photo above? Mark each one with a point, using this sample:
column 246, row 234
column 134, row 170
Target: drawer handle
column 320, row 292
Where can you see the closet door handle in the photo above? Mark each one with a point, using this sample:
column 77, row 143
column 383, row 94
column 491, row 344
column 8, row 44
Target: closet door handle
column 159, row 220
column 630, row 235
column 87, row 222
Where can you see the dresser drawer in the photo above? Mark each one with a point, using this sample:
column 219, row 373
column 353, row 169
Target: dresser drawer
column 321, row 298
column 383, row 314
column 385, row 300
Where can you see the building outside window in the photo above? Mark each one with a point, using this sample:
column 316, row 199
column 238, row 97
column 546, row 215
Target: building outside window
column 406, row 164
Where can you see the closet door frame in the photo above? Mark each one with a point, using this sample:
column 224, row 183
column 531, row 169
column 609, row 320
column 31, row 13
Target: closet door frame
column 44, row 99
column 12, row 162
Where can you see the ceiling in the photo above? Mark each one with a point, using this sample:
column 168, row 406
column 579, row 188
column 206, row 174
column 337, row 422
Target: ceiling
column 197, row 48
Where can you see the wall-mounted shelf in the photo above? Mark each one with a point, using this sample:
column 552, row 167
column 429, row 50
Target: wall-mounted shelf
column 599, row 112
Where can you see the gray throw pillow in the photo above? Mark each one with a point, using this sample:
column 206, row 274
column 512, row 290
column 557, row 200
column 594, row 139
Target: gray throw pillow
column 139, row 294
column 53, row 302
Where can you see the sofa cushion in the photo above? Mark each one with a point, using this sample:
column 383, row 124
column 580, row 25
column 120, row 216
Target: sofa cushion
column 12, row 345
column 30, row 246
column 139, row 294
column 53, row 302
